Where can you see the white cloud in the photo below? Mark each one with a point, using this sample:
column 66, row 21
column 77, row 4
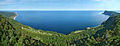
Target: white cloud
column 98, row 0
column 108, row 4
column 102, row 0
column 8, row 2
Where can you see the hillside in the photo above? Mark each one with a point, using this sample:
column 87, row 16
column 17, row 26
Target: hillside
column 8, row 14
column 13, row 33
column 111, row 13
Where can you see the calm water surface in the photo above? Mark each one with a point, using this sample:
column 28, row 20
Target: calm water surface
column 61, row 21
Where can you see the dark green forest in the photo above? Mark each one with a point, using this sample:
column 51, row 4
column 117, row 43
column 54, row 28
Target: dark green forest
column 13, row 33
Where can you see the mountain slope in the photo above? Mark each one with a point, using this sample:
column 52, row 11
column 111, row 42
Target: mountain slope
column 108, row 35
column 8, row 14
column 13, row 33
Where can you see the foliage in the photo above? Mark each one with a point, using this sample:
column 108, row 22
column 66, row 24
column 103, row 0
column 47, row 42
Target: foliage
column 13, row 33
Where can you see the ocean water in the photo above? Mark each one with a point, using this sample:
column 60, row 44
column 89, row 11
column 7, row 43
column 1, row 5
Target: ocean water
column 61, row 21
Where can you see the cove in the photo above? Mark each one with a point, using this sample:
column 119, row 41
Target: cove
column 61, row 21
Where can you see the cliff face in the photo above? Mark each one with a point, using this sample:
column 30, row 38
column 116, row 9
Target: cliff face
column 13, row 33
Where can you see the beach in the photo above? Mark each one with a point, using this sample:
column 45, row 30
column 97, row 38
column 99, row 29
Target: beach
column 15, row 16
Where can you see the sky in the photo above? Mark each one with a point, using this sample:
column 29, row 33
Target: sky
column 59, row 4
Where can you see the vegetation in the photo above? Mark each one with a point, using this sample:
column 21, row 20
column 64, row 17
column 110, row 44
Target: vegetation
column 8, row 14
column 13, row 33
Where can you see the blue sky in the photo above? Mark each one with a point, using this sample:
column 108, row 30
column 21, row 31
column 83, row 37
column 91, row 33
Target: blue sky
column 59, row 4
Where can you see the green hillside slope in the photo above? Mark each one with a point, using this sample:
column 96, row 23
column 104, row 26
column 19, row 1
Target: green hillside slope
column 8, row 14
column 13, row 33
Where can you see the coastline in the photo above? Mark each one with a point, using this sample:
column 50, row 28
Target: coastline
column 101, row 12
column 15, row 16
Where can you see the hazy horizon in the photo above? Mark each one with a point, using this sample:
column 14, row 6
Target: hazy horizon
column 57, row 10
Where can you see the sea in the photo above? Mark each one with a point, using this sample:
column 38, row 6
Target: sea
column 61, row 21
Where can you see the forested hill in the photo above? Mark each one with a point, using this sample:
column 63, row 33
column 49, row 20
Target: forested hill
column 8, row 14
column 13, row 33
column 111, row 13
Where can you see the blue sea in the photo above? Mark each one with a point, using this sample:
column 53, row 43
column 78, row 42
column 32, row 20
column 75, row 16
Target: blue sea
column 61, row 21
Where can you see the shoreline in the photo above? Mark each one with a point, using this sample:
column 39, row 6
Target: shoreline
column 101, row 12
column 15, row 16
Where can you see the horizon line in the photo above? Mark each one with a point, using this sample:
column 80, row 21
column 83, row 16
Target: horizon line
column 56, row 9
